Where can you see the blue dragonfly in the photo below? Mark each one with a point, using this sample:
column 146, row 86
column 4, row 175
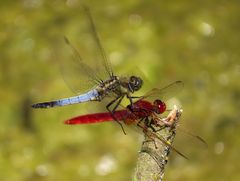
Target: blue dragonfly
column 104, row 82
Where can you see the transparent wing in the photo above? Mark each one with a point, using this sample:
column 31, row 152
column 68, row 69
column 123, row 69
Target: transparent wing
column 164, row 93
column 107, row 69
column 196, row 137
column 82, row 71
column 77, row 75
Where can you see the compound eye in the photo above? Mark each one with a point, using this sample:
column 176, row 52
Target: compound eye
column 136, row 83
column 133, row 79
column 160, row 106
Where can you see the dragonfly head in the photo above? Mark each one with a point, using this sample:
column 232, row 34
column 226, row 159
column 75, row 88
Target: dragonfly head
column 159, row 106
column 135, row 83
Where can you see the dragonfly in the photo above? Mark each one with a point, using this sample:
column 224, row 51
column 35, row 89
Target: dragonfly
column 142, row 113
column 145, row 114
column 101, row 82
column 141, row 110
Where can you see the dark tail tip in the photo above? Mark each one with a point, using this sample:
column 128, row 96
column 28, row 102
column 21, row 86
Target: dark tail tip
column 35, row 106
column 43, row 105
column 38, row 105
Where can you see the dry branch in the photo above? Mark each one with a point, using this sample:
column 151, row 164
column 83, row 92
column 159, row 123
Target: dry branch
column 153, row 157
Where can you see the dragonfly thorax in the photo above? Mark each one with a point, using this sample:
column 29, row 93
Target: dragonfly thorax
column 109, row 85
column 141, row 108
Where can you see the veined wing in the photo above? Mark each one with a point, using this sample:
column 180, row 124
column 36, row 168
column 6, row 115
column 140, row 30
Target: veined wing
column 165, row 92
column 84, row 71
column 154, row 135
column 105, row 62
column 78, row 75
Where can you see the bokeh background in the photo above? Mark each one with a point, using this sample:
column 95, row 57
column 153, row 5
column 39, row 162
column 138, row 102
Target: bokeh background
column 194, row 41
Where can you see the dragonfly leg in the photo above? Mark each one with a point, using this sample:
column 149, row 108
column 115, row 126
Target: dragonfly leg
column 139, row 123
column 147, row 124
column 152, row 136
column 153, row 129
column 145, row 131
column 118, row 103
column 134, row 97
column 160, row 128
column 119, row 98
column 156, row 123
column 150, row 124
column 110, row 103
column 130, row 98
column 150, row 140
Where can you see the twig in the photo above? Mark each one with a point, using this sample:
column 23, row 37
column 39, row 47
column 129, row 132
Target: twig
column 153, row 156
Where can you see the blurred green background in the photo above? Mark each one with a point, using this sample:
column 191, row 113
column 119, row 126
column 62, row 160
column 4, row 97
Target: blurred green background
column 194, row 41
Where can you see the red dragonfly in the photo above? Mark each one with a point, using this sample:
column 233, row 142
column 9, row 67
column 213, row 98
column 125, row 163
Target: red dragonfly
column 141, row 113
